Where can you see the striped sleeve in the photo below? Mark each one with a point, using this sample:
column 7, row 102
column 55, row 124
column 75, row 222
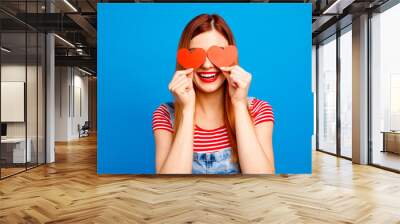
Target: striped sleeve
column 162, row 119
column 261, row 111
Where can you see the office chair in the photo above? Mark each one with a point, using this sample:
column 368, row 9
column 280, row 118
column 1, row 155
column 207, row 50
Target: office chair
column 84, row 130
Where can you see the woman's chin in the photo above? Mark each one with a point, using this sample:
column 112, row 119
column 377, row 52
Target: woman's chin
column 209, row 87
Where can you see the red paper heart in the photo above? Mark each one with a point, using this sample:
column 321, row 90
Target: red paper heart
column 191, row 59
column 223, row 56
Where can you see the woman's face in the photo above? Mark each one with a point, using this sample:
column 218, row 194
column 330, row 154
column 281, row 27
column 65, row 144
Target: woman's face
column 208, row 78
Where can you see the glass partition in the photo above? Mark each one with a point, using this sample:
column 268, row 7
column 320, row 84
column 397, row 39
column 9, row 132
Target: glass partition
column 41, row 107
column 14, row 153
column 22, row 88
column 31, row 100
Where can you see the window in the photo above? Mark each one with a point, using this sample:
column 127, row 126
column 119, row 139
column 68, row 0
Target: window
column 327, row 95
column 346, row 92
column 385, row 89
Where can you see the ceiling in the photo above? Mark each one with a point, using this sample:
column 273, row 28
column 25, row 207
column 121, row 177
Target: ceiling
column 329, row 16
column 72, row 20
column 75, row 23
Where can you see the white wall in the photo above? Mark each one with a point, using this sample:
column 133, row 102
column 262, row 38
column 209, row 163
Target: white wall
column 81, row 84
column 13, row 100
column 12, row 73
column 9, row 73
column 33, row 126
column 71, row 87
column 62, row 82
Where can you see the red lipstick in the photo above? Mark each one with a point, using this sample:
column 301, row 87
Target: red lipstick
column 208, row 77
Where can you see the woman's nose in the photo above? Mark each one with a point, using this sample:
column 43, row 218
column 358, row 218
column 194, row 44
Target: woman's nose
column 207, row 64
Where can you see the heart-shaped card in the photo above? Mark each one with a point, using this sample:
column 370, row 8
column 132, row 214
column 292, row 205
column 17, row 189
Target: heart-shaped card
column 223, row 56
column 219, row 56
column 191, row 58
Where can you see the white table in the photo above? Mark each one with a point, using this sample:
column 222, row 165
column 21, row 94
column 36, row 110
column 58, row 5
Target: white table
column 18, row 144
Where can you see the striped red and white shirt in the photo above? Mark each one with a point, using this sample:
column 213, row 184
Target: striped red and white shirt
column 207, row 140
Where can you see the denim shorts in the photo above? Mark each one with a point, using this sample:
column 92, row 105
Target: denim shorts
column 218, row 162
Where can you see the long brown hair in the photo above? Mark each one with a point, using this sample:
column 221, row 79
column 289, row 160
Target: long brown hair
column 196, row 26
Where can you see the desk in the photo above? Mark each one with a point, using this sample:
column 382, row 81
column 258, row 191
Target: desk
column 15, row 148
column 391, row 141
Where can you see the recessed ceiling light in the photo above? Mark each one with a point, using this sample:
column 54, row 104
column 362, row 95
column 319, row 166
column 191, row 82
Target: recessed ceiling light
column 337, row 7
column 84, row 71
column 70, row 5
column 64, row 40
column 5, row 50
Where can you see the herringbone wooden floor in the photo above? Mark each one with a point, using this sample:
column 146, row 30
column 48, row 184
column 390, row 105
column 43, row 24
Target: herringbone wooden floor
column 70, row 191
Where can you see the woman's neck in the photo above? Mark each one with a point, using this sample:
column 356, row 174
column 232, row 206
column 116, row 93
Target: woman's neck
column 210, row 108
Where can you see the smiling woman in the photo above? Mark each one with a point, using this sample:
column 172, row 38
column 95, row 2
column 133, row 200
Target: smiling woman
column 213, row 127
column 228, row 112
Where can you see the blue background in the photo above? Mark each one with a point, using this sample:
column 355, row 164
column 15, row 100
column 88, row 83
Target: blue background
column 137, row 46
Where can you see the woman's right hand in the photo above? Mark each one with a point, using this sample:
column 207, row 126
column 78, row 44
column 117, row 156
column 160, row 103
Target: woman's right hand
column 181, row 86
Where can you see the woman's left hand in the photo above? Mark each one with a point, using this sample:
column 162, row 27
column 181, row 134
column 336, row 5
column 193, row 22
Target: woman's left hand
column 239, row 83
